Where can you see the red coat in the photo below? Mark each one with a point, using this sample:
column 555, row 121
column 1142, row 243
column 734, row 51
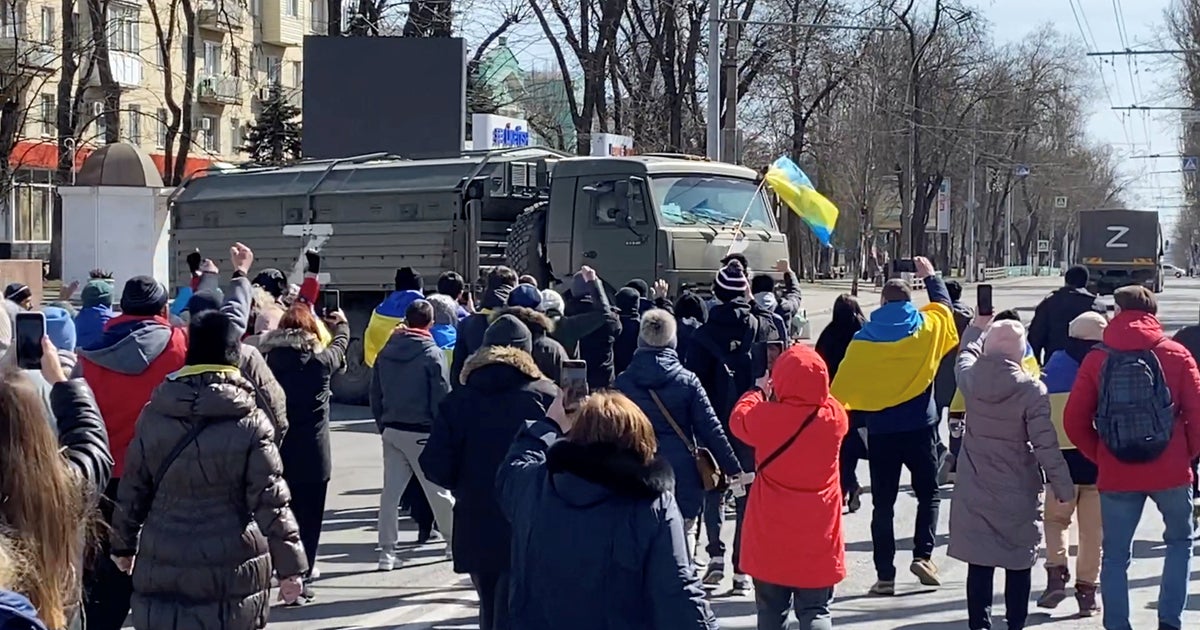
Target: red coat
column 1133, row 330
column 134, row 356
column 792, row 534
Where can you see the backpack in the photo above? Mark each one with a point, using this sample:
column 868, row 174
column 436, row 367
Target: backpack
column 732, row 375
column 1135, row 416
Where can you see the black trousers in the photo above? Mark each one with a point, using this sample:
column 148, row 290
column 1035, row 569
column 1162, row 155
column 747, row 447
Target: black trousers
column 418, row 505
column 492, row 589
column 890, row 453
column 851, row 452
column 308, row 505
column 106, row 589
column 979, row 597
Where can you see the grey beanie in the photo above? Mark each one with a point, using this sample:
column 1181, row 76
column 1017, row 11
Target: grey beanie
column 657, row 330
column 445, row 309
column 508, row 331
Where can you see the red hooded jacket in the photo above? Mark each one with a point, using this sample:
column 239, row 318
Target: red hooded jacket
column 1135, row 330
column 792, row 534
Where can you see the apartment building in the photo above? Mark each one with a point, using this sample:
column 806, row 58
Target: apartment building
column 243, row 48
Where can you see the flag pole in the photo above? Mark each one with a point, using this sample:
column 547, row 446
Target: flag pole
column 737, row 229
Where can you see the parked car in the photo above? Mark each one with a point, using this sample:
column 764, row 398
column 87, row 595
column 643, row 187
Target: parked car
column 1172, row 270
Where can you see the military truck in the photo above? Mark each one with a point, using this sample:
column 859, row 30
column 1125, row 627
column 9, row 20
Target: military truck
column 1119, row 248
column 536, row 210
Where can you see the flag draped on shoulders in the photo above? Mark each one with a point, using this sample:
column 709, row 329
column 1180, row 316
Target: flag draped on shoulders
column 895, row 356
column 384, row 320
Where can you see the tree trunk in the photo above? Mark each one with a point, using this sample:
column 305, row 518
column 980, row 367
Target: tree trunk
column 97, row 11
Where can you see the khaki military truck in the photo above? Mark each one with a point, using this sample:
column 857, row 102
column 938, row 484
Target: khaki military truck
column 536, row 210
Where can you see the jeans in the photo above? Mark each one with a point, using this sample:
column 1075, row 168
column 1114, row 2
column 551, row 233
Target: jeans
column 714, row 518
column 1120, row 513
column 308, row 506
column 916, row 451
column 774, row 602
column 400, row 452
column 852, row 450
column 107, row 589
column 1058, row 524
column 979, row 597
column 492, row 589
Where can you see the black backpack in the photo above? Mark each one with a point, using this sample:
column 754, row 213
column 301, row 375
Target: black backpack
column 733, row 374
column 1135, row 416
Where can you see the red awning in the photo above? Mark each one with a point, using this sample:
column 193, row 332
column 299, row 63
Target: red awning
column 38, row 154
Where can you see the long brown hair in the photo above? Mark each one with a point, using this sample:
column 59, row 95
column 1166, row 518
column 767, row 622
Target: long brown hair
column 608, row 417
column 42, row 502
column 299, row 316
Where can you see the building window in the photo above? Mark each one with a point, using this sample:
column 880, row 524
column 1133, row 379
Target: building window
column 256, row 8
column 236, row 141
column 235, row 60
column 211, row 131
column 212, row 58
column 274, row 70
column 101, row 124
column 292, row 7
column 33, row 212
column 161, row 141
column 12, row 20
column 318, row 24
column 49, row 114
column 47, row 25
column 297, row 74
column 135, row 124
column 123, row 28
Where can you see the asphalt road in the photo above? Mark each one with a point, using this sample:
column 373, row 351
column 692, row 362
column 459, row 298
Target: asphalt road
column 423, row 592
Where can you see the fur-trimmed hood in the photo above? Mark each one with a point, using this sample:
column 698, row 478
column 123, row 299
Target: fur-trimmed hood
column 491, row 360
column 293, row 338
column 539, row 324
column 586, row 474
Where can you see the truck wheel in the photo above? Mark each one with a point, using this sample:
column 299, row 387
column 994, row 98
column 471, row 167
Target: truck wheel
column 525, row 249
column 351, row 386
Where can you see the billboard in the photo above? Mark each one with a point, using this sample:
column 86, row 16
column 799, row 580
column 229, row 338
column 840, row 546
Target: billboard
column 490, row 131
column 360, row 96
column 611, row 144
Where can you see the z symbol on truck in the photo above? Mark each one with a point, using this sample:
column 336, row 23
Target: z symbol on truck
column 1119, row 232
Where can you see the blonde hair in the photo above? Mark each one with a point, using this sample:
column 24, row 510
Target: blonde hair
column 608, row 417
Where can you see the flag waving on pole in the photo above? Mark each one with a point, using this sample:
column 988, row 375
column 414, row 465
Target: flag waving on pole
column 796, row 190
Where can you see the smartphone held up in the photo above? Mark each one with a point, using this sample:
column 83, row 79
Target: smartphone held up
column 574, row 384
column 29, row 328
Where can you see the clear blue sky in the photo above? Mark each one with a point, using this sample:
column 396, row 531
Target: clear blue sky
column 1109, row 25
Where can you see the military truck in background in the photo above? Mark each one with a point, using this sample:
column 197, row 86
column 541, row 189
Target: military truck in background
column 1119, row 248
column 538, row 211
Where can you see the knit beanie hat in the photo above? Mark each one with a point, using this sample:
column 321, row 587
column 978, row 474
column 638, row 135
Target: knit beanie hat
column 657, row 330
column 407, row 279
column 272, row 281
column 1088, row 326
column 206, row 300
column 640, row 286
column 730, row 282
column 17, row 292
column 1005, row 339
column 445, row 309
column 691, row 305
column 580, row 288
column 551, row 301
column 628, row 301
column 60, row 328
column 97, row 293
column 143, row 295
column 507, row 330
column 525, row 295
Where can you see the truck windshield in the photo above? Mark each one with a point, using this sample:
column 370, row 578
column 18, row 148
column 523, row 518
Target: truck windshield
column 699, row 199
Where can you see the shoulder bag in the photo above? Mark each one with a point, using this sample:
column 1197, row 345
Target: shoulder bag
column 783, row 447
column 183, row 443
column 710, row 473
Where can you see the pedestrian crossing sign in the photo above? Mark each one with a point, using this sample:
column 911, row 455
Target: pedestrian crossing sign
column 1190, row 164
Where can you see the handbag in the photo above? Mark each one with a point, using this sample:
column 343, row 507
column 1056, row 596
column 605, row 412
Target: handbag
column 710, row 473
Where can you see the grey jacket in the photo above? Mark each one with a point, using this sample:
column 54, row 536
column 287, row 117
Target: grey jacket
column 996, row 508
column 409, row 381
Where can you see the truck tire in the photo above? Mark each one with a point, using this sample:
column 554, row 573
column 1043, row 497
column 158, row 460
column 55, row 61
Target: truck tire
column 352, row 384
column 525, row 249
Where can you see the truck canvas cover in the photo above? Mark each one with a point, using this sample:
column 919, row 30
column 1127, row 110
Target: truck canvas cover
column 1120, row 237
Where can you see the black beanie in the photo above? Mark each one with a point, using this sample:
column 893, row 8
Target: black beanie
column 206, row 300
column 627, row 301
column 762, row 283
column 213, row 340
column 640, row 285
column 272, row 281
column 17, row 292
column 691, row 305
column 507, row 330
column 143, row 296
column 407, row 279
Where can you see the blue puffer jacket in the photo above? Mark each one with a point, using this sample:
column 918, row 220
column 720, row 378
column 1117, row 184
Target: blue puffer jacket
column 596, row 528
column 659, row 369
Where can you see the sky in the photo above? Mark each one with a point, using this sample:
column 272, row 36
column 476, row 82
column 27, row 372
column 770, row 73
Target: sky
column 1114, row 25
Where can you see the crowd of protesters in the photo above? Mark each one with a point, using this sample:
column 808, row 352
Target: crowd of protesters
column 173, row 460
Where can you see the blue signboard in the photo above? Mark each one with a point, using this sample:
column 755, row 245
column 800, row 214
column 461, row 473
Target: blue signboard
column 510, row 136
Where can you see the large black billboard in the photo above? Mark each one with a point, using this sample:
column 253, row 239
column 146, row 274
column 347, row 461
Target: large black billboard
column 403, row 95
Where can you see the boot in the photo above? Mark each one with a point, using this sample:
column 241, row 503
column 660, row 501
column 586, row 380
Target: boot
column 1056, row 587
column 1085, row 595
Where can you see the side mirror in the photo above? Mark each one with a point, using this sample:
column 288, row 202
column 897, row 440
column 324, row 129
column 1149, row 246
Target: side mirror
column 621, row 190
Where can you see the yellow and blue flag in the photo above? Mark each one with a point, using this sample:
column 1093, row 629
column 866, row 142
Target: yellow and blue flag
column 797, row 191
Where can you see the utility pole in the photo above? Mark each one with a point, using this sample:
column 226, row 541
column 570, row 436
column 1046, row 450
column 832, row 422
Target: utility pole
column 972, row 204
column 713, row 144
column 1008, row 228
column 731, row 150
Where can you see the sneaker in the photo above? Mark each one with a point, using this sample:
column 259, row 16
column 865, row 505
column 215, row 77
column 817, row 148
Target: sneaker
column 1056, row 587
column 741, row 585
column 854, row 501
column 307, row 594
column 885, row 588
column 315, row 574
column 926, row 571
column 1085, row 595
column 714, row 575
column 945, row 467
column 387, row 562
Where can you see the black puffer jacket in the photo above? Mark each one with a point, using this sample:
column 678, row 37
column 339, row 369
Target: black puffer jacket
column 1052, row 317
column 303, row 369
column 472, row 327
column 501, row 389
column 547, row 353
column 206, row 540
column 271, row 398
column 596, row 347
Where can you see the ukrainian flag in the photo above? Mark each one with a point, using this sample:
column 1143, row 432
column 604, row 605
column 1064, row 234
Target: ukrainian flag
column 384, row 320
column 797, row 191
column 1028, row 363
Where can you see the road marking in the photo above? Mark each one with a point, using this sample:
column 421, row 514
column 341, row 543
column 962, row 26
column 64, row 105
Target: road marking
column 424, row 616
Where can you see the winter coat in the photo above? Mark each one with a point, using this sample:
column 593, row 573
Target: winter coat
column 501, row 388
column 944, row 385
column 81, row 433
column 303, row 369
column 410, row 379
column 548, row 353
column 684, row 331
column 626, row 343
column 996, row 508
column 596, row 347
column 18, row 613
column 208, row 538
column 1048, row 331
column 1059, row 376
column 472, row 327
column 659, row 370
column 384, row 320
column 271, row 398
column 89, row 324
column 1134, row 330
column 792, row 534
column 833, row 341
column 600, row 530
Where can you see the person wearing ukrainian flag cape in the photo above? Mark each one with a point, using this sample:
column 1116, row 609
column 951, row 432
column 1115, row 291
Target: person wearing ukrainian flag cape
column 390, row 313
column 886, row 379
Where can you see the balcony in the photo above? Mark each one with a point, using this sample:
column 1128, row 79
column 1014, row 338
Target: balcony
column 27, row 54
column 126, row 70
column 219, row 90
column 221, row 15
column 282, row 22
